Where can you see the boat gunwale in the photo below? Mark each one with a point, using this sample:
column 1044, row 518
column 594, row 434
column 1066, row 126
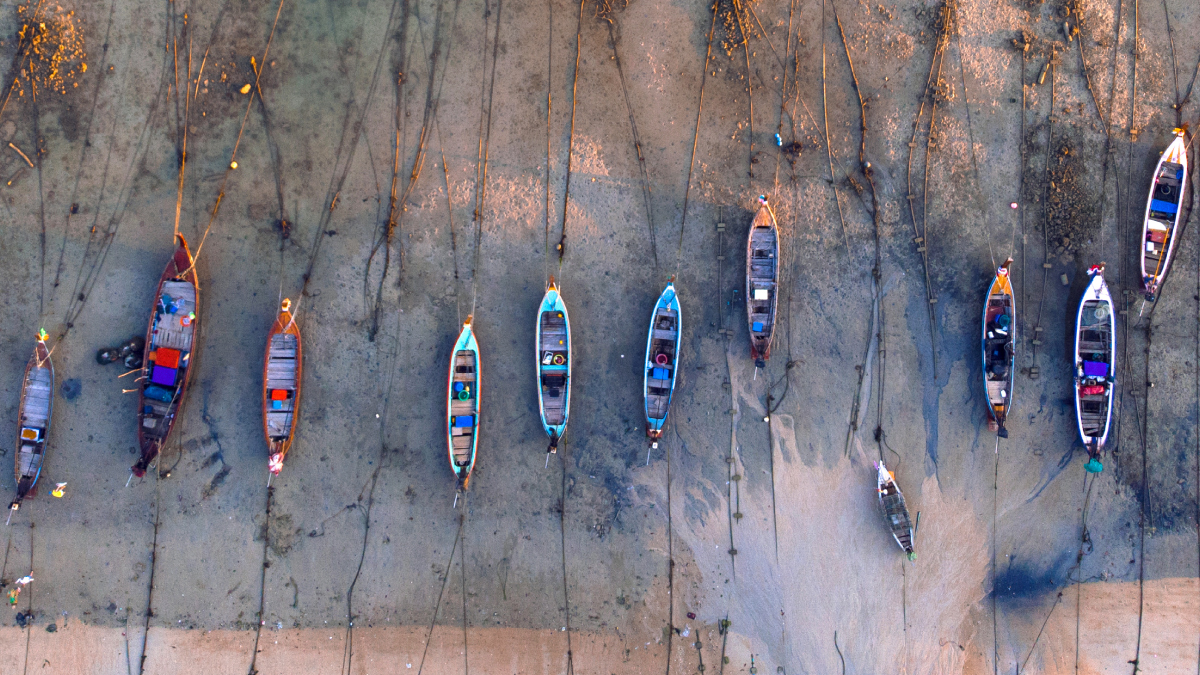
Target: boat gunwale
column 554, row 431
column 172, row 272
column 280, row 327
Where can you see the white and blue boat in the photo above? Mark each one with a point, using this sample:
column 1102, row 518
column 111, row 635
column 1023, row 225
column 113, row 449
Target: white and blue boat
column 1161, row 223
column 1095, row 366
column 462, row 405
column 554, row 364
column 662, row 359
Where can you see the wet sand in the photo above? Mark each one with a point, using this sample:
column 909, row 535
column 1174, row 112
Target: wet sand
column 362, row 525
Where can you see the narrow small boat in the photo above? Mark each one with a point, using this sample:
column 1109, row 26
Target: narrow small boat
column 462, row 405
column 554, row 364
column 1162, row 215
column 1095, row 366
column 895, row 510
column 281, row 386
column 662, row 357
column 33, row 420
column 167, row 366
column 762, row 277
column 999, row 340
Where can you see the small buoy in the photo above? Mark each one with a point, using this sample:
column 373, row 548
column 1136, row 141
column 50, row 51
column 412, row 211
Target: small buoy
column 233, row 165
column 246, row 89
column 1012, row 205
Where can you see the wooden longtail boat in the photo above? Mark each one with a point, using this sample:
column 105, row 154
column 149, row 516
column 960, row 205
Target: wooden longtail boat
column 895, row 510
column 762, row 276
column 281, row 386
column 462, row 405
column 167, row 364
column 33, row 420
column 554, row 364
column 999, row 340
column 1162, row 215
column 662, row 357
column 1095, row 366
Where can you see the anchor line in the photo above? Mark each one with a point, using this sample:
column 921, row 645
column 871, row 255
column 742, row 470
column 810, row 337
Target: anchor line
column 695, row 141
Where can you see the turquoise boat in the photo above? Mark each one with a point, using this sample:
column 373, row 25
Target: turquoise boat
column 462, row 405
column 554, row 364
column 662, row 357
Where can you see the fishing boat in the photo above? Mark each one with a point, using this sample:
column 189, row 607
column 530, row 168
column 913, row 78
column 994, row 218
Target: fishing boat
column 1095, row 366
column 895, row 510
column 662, row 357
column 33, row 420
column 554, row 364
column 462, row 405
column 167, row 365
column 999, row 340
column 762, row 277
column 281, row 386
column 1162, row 215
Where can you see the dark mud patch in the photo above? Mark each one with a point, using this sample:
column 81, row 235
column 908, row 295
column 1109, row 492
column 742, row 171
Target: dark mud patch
column 217, row 481
column 282, row 533
column 1071, row 213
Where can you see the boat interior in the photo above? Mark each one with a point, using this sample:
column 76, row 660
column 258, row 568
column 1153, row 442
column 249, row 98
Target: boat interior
column 464, row 406
column 660, row 367
column 34, row 422
column 281, row 386
column 762, row 274
column 1094, row 372
column 998, row 350
column 1164, row 210
column 168, row 358
column 896, row 512
column 553, row 366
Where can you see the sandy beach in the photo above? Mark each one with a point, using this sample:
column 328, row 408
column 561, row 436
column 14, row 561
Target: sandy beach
column 751, row 540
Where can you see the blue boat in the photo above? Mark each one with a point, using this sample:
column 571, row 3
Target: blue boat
column 554, row 364
column 662, row 358
column 462, row 405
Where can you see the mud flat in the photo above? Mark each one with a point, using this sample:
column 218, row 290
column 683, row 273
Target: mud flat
column 770, row 520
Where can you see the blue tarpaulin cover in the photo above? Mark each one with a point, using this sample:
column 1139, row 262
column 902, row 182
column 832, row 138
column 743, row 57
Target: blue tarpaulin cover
column 1162, row 207
column 1095, row 369
column 464, row 421
column 661, row 374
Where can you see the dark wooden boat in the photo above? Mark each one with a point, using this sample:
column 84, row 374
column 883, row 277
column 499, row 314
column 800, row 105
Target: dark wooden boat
column 33, row 420
column 281, row 386
column 167, row 364
column 554, row 364
column 462, row 405
column 1161, row 222
column 662, row 356
column 895, row 510
column 762, row 277
column 999, row 341
column 1095, row 366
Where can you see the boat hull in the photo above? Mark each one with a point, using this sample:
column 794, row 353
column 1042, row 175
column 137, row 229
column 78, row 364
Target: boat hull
column 553, row 364
column 33, row 421
column 1161, row 221
column 762, row 277
column 462, row 405
column 998, row 341
column 173, row 331
column 895, row 510
column 1095, row 364
column 662, row 359
column 283, row 365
